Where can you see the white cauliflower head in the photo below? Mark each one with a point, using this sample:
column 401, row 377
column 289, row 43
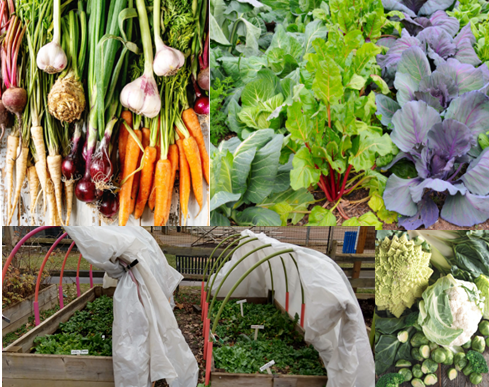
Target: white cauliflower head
column 450, row 311
column 466, row 314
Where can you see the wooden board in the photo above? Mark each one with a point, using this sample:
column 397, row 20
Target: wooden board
column 84, row 215
column 51, row 324
column 20, row 368
column 222, row 379
column 19, row 313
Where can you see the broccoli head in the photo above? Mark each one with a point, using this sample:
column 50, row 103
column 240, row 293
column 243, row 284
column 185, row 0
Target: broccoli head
column 477, row 361
column 390, row 380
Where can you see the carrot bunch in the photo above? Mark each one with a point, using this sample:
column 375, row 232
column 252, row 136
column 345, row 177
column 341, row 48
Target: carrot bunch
column 150, row 159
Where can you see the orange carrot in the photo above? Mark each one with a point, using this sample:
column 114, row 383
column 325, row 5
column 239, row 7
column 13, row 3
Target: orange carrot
column 162, row 184
column 173, row 156
column 152, row 196
column 126, row 115
column 130, row 165
column 193, row 125
column 184, row 183
column 146, row 180
column 193, row 158
column 137, row 175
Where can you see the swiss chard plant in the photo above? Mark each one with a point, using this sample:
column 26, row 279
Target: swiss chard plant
column 332, row 121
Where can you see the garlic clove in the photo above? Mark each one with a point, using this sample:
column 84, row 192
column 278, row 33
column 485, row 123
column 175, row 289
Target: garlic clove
column 51, row 58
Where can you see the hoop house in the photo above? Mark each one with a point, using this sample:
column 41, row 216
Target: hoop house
column 333, row 320
column 147, row 344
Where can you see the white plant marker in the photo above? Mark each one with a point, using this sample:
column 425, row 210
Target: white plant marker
column 267, row 367
column 256, row 327
column 241, row 302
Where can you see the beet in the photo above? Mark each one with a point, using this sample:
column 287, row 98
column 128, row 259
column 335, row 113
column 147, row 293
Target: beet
column 15, row 99
column 203, row 79
column 5, row 119
column 201, row 105
column 109, row 205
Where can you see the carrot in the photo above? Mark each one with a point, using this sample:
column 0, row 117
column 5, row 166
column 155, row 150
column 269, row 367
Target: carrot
column 41, row 167
column 20, row 171
column 173, row 156
column 184, row 183
column 152, row 196
column 162, row 183
column 33, row 190
column 69, row 187
column 12, row 144
column 146, row 181
column 192, row 154
column 137, row 176
column 126, row 115
column 130, row 165
column 54, row 166
column 193, row 125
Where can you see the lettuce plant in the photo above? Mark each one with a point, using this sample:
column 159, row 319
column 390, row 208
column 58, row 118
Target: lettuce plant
column 446, row 170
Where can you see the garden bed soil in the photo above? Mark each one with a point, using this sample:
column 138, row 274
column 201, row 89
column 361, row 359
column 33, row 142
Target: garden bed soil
column 20, row 312
column 22, row 368
column 367, row 307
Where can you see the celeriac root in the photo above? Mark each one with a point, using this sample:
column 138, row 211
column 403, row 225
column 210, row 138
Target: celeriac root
column 12, row 144
column 33, row 190
column 54, row 166
column 69, row 187
column 20, row 171
column 41, row 168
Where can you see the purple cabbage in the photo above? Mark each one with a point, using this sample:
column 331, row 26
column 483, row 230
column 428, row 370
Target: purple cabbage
column 414, row 8
column 442, row 154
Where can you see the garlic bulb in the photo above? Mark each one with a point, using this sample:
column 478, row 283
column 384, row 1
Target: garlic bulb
column 141, row 96
column 167, row 60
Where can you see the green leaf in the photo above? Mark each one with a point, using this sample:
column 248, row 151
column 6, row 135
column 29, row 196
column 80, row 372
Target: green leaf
column 257, row 216
column 241, row 169
column 304, row 173
column 364, row 55
column 297, row 200
column 314, row 30
column 368, row 219
column 216, row 32
column 320, row 216
column 356, row 82
column 225, row 176
column 264, row 170
column 282, row 209
column 298, row 123
column 218, row 219
column 256, row 92
column 383, row 87
column 327, row 83
column 223, row 197
column 370, row 145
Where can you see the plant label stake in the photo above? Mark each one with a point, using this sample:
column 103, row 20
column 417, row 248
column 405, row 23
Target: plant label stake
column 256, row 327
column 241, row 302
column 267, row 367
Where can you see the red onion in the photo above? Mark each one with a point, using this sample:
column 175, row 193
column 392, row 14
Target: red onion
column 109, row 206
column 201, row 105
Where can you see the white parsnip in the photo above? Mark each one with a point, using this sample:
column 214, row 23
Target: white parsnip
column 20, row 171
column 33, row 190
column 69, row 186
column 54, row 167
column 12, row 144
column 41, row 167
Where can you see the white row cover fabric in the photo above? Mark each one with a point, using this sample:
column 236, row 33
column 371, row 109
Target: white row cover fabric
column 147, row 344
column 334, row 323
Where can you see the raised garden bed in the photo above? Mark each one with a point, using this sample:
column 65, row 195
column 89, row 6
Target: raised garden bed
column 22, row 368
column 282, row 340
column 19, row 313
